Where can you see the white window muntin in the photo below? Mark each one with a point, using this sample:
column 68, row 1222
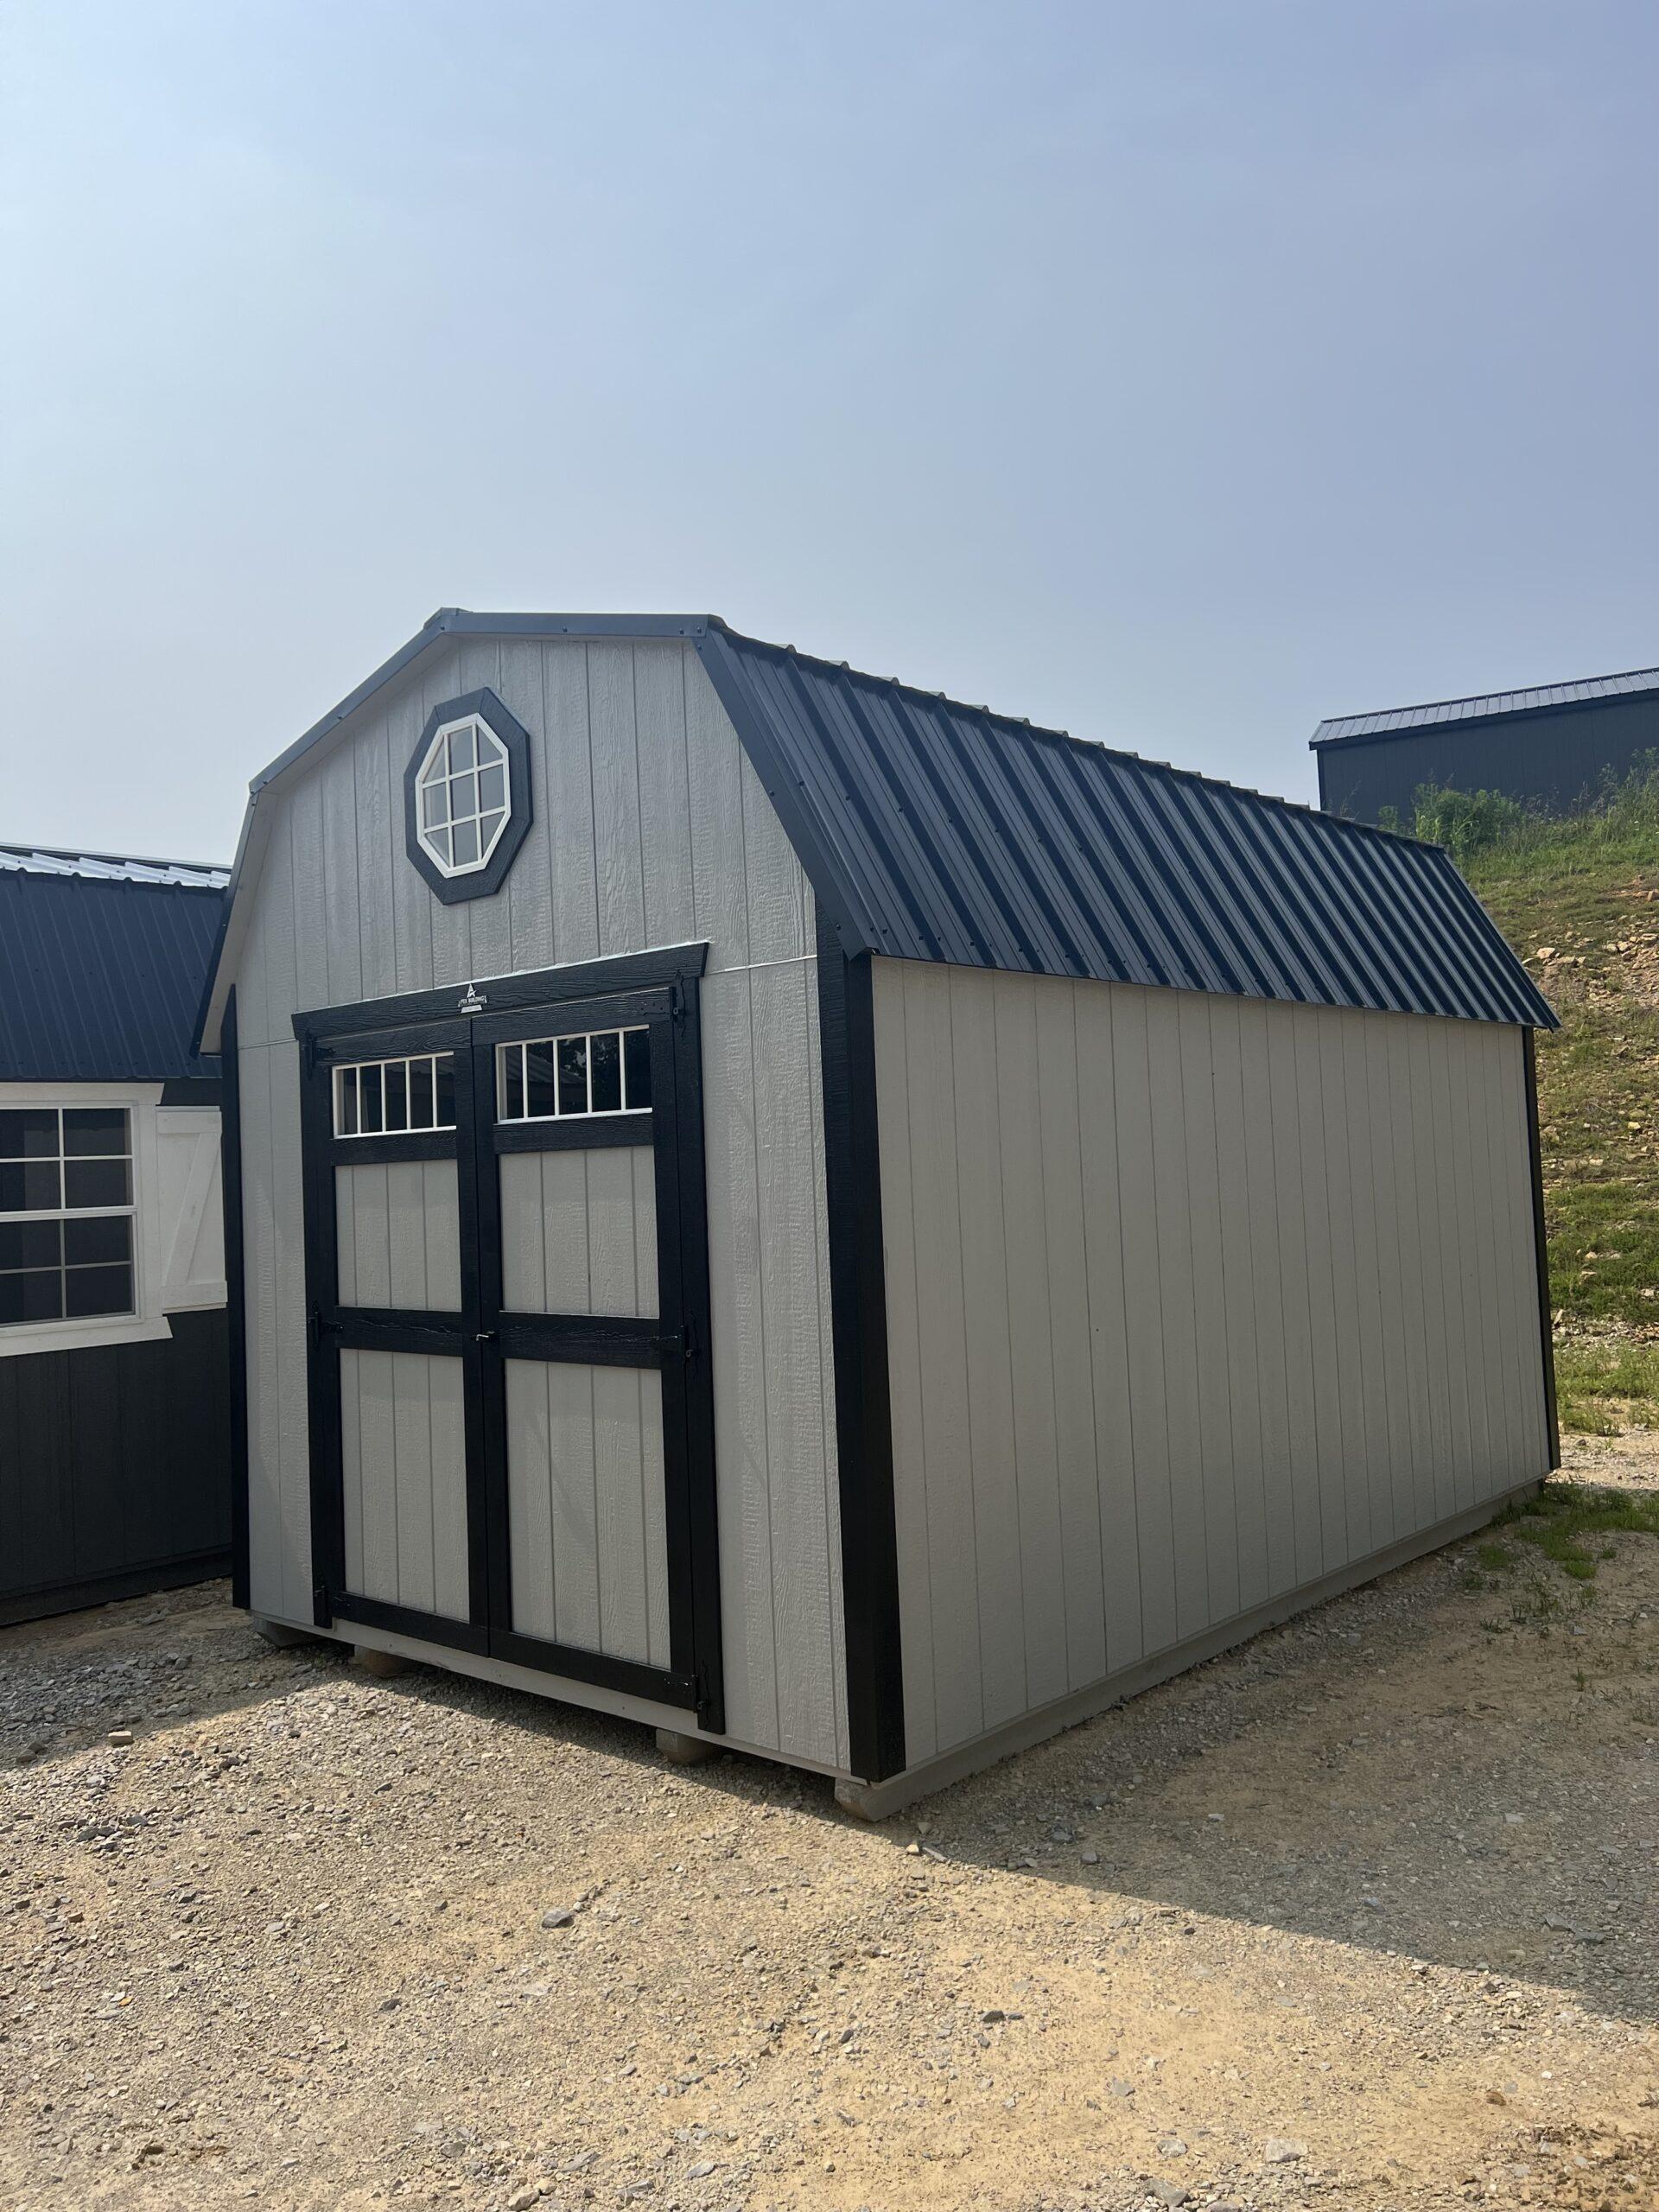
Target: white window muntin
column 178, row 1259
column 463, row 796
column 67, row 1174
column 396, row 1097
column 570, row 1077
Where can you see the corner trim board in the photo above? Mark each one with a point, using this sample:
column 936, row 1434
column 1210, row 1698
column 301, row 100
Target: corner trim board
column 236, row 1295
column 869, row 1547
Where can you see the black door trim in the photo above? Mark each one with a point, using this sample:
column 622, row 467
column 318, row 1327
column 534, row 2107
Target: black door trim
column 659, row 989
column 578, row 979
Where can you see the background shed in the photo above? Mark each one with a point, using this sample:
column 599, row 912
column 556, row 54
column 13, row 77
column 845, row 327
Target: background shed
column 1552, row 746
column 114, row 1350
column 1078, row 1212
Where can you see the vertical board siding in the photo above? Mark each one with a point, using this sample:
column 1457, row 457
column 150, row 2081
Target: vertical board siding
column 403, row 1455
column 1180, row 1296
column 585, row 1507
column 579, row 1231
column 649, row 827
column 398, row 1234
column 117, row 1466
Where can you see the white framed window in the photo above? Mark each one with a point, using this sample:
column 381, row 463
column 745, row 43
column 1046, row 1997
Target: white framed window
column 556, row 1079
column 463, row 796
column 375, row 1099
column 109, row 1215
column 65, row 1214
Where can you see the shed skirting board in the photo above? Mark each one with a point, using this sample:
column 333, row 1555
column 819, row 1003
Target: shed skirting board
column 557, row 1689
column 875, row 1802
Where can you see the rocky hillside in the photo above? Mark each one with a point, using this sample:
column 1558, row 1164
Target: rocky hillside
column 1579, row 898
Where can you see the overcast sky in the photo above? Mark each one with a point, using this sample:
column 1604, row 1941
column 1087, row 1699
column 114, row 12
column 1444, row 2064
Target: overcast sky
column 1173, row 373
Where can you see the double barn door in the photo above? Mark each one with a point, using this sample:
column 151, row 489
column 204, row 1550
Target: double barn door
column 511, row 1426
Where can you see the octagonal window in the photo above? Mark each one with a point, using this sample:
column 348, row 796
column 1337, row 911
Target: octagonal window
column 464, row 794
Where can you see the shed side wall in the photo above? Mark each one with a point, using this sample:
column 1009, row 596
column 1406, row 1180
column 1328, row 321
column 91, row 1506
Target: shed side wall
column 1192, row 1302
column 1555, row 757
column 650, row 829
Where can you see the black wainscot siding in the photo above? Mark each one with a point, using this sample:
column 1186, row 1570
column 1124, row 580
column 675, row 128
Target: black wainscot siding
column 112, row 1468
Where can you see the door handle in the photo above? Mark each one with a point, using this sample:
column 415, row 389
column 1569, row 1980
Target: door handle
column 484, row 1337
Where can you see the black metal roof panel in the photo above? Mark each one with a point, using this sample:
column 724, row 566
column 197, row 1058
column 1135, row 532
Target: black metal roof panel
column 932, row 830
column 937, row 832
column 101, row 972
column 110, row 867
column 1487, row 706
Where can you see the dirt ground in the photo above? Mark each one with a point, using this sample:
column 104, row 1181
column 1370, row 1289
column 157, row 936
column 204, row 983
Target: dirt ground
column 1360, row 1915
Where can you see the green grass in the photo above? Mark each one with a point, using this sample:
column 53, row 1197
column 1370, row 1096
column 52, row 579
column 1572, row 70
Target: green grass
column 1565, row 1518
column 1578, row 889
column 1568, row 1526
column 1606, row 1383
column 1577, row 896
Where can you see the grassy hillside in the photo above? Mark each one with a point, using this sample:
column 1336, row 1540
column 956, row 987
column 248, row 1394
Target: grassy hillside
column 1579, row 898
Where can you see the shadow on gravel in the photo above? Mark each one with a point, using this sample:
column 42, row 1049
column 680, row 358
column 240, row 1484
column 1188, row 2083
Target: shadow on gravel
column 1405, row 1771
column 144, row 1664
column 1389, row 1804
column 1383, row 1774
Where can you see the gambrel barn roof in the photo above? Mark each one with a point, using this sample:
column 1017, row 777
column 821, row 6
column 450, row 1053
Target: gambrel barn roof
column 935, row 830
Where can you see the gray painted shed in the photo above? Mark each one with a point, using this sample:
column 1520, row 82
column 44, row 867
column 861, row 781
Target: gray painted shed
column 837, row 1223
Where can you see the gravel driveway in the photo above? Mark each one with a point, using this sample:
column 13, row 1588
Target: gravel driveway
column 1362, row 1915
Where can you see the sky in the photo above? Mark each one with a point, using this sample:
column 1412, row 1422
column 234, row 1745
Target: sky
column 1175, row 374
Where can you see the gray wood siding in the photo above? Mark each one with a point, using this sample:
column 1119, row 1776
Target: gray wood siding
column 650, row 828
column 398, row 1234
column 1191, row 1301
column 585, row 1507
column 403, row 1452
column 579, row 1231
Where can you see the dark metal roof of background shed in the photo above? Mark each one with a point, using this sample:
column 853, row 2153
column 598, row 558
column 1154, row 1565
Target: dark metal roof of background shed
column 102, row 963
column 1484, row 706
column 937, row 832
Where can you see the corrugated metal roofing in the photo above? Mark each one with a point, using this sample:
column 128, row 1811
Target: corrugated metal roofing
column 1338, row 728
column 932, row 830
column 937, row 832
column 101, row 974
column 110, row 867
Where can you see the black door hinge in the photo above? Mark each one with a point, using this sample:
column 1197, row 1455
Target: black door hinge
column 689, row 1342
column 317, row 1328
column 676, row 1002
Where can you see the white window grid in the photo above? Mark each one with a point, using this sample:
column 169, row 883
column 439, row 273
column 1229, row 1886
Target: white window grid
column 464, row 794
column 96, row 1211
column 512, row 1078
column 358, row 1101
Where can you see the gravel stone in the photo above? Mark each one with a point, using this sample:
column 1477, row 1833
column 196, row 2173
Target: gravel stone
column 286, row 1947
